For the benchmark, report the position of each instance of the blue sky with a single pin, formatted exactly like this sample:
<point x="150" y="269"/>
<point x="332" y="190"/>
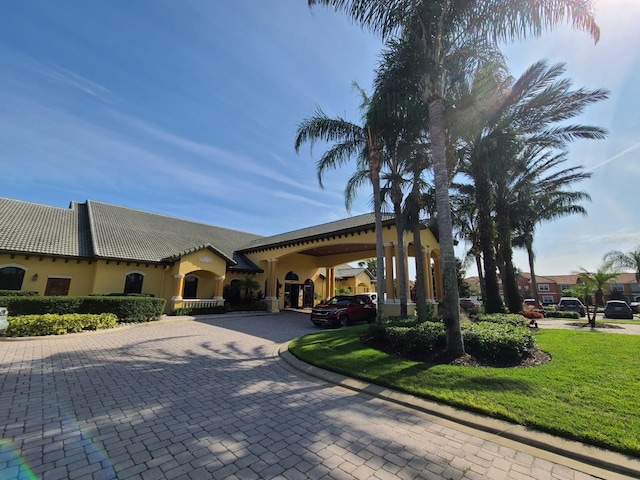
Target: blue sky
<point x="190" y="108"/>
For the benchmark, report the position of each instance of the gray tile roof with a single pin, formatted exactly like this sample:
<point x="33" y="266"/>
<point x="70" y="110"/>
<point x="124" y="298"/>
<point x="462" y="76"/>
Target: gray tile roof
<point x="349" y="272"/>
<point x="95" y="229"/>
<point x="351" y="224"/>
<point x="40" y="229"/>
<point x="125" y="233"/>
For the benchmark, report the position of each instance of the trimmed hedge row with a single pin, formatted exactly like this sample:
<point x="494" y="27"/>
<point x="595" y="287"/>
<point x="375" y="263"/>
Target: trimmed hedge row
<point x="50" y="324"/>
<point x="126" y="309"/>
<point x="17" y="293"/>
<point x="561" y="314"/>
<point x="501" y="338"/>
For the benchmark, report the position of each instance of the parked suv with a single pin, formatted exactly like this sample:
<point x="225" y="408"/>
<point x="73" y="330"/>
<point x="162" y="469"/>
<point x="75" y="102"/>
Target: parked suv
<point x="618" y="309"/>
<point x="341" y="310"/>
<point x="571" y="304"/>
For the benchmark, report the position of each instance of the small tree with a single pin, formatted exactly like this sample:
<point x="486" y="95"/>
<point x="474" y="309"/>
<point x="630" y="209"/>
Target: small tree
<point x="593" y="283"/>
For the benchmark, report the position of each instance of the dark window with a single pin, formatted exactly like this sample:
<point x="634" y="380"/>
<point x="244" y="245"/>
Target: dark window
<point x="133" y="283"/>
<point x="190" y="287"/>
<point x="57" y="286"/>
<point x="292" y="276"/>
<point x="11" y="278"/>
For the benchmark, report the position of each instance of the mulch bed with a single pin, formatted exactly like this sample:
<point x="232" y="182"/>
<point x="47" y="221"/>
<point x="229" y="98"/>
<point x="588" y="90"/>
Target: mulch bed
<point x="536" y="357"/>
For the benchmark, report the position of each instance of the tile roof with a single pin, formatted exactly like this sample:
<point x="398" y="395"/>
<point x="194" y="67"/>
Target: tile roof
<point x="42" y="229"/>
<point x="346" y="225"/>
<point x="349" y="272"/>
<point x="148" y="236"/>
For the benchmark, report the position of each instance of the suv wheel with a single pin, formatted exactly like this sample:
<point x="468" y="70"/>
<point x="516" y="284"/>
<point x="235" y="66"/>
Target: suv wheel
<point x="344" y="320"/>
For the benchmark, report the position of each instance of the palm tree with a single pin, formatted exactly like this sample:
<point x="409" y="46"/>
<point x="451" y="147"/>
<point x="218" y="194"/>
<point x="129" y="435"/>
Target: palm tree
<point x="349" y="140"/>
<point x="545" y="202"/>
<point x="629" y="260"/>
<point x="449" y="30"/>
<point x="514" y="150"/>
<point x="595" y="282"/>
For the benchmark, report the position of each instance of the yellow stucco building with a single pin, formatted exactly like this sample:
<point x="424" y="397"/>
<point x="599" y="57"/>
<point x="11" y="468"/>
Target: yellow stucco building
<point x="93" y="248"/>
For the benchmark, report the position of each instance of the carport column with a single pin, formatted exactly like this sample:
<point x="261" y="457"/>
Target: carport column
<point x="438" y="275"/>
<point x="218" y="291"/>
<point x="331" y="282"/>
<point x="428" y="273"/>
<point x="272" y="280"/>
<point x="178" y="286"/>
<point x="388" y="272"/>
<point x="406" y="271"/>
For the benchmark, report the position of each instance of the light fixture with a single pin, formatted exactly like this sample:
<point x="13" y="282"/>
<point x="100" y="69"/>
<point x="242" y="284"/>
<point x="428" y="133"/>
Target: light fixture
<point x="35" y="277"/>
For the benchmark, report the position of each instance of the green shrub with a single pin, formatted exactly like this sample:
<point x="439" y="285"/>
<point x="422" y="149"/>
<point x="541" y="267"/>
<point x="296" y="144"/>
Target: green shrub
<point x="501" y="342"/>
<point x="17" y="293"/>
<point x="127" y="309"/>
<point x="419" y="338"/>
<point x="561" y="314"/>
<point x="200" y="311"/>
<point x="531" y="314"/>
<point x="51" y="324"/>
<point x="504" y="319"/>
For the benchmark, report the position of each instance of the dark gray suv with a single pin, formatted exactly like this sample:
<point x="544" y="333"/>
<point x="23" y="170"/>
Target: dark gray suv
<point x="571" y="304"/>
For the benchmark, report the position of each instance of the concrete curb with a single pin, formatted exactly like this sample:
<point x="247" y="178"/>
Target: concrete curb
<point x="595" y="461"/>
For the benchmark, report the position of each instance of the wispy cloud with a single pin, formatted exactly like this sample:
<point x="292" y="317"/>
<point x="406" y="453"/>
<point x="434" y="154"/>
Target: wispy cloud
<point x="615" y="157"/>
<point x="67" y="78"/>
<point x="300" y="198"/>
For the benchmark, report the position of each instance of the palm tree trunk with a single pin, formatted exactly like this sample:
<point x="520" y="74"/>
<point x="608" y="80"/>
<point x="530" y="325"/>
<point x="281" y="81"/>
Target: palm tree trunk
<point x="486" y="236"/>
<point x="421" y="299"/>
<point x="377" y="211"/>
<point x="483" y="288"/>
<point x="402" y="269"/>
<point x="510" y="281"/>
<point x="451" y="301"/>
<point x="534" y="282"/>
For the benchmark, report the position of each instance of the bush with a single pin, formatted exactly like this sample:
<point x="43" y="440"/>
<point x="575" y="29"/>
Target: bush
<point x="126" y="309"/>
<point x="409" y="336"/>
<point x="51" y="324"/>
<point x="561" y="314"/>
<point x="200" y="311"/>
<point x="17" y="293"/>
<point x="505" y="319"/>
<point x="501" y="342"/>
<point x="531" y="314"/>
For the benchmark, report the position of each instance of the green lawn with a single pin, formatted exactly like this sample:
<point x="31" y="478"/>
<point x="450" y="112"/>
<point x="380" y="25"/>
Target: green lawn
<point x="590" y="391"/>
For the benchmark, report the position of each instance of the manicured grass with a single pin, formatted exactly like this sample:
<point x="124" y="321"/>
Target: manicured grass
<point x="589" y="391"/>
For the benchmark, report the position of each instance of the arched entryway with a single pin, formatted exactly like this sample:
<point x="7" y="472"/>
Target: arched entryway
<point x="293" y="290"/>
<point x="190" y="287"/>
<point x="308" y="295"/>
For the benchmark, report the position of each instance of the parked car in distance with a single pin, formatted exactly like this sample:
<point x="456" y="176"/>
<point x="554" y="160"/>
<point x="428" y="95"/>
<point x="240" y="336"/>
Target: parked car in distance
<point x="342" y="310"/>
<point x="571" y="304"/>
<point x="468" y="303"/>
<point x="529" y="303"/>
<point x="618" y="309"/>
<point x="635" y="307"/>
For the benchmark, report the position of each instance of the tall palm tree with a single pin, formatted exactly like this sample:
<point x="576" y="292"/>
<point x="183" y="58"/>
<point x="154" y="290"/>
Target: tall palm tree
<point x="511" y="152"/>
<point x="350" y="141"/>
<point x="448" y="30"/>
<point x="546" y="201"/>
<point x="629" y="260"/>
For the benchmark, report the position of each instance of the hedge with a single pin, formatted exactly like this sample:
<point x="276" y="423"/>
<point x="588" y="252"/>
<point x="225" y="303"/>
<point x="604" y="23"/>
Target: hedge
<point x="17" y="293"/>
<point x="51" y="324"/>
<point x="562" y="314"/>
<point x="126" y="309"/>
<point x="497" y="341"/>
<point x="504" y="319"/>
<point x="505" y="339"/>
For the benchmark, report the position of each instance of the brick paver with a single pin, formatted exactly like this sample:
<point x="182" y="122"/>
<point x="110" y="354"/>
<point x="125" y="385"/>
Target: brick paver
<point x="207" y="399"/>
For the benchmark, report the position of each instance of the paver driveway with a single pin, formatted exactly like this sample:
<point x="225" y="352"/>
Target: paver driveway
<point x="207" y="399"/>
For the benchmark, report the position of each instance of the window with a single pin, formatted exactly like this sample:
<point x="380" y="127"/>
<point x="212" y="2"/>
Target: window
<point x="57" y="286"/>
<point x="190" y="287"/>
<point x="133" y="283"/>
<point x="617" y="287"/>
<point x="565" y="287"/>
<point x="547" y="299"/>
<point x="543" y="287"/>
<point x="11" y="278"/>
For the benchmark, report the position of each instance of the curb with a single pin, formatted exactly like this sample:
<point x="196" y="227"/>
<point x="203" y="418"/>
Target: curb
<point x="589" y="459"/>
